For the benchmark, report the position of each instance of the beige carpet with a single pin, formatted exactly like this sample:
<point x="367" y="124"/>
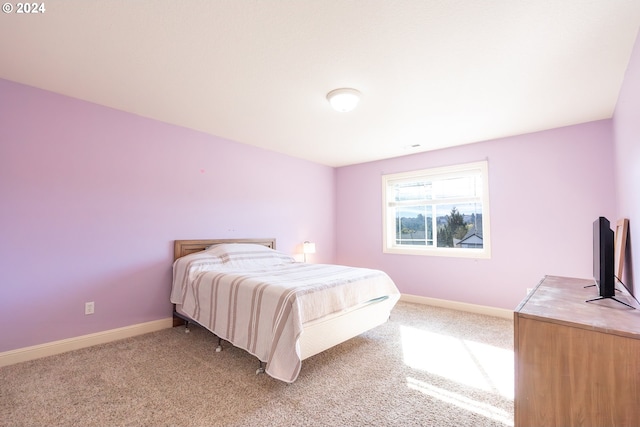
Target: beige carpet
<point x="427" y="366"/>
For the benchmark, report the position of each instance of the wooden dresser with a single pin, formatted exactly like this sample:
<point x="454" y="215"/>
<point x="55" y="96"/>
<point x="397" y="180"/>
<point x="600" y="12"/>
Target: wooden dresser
<point x="576" y="363"/>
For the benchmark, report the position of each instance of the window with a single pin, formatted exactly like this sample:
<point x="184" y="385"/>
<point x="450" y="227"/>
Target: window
<point x="442" y="211"/>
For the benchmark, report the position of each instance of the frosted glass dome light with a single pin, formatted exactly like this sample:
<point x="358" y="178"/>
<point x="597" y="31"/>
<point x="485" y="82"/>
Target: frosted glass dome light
<point x="343" y="100"/>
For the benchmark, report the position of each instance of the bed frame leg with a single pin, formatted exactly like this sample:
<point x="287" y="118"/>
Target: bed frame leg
<point x="219" y="347"/>
<point x="260" y="369"/>
<point x="179" y="319"/>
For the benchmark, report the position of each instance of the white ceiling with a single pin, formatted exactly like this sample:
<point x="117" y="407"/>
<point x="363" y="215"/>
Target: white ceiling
<point x="436" y="73"/>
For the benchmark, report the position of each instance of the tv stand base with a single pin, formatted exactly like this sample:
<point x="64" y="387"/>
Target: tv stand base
<point x="613" y="298"/>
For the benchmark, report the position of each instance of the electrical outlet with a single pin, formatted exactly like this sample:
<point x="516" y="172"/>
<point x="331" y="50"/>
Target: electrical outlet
<point x="89" y="307"/>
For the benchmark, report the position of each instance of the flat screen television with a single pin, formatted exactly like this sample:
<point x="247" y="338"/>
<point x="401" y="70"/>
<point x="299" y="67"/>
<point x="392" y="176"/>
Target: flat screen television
<point x="603" y="257"/>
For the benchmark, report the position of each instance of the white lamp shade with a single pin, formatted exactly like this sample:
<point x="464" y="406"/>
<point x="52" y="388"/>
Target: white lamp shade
<point x="343" y="100"/>
<point x="309" y="248"/>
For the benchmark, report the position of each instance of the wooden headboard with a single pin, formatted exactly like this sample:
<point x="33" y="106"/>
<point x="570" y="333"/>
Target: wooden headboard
<point x="186" y="247"/>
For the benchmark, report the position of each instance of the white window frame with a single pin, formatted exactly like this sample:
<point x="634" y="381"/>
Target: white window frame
<point x="434" y="174"/>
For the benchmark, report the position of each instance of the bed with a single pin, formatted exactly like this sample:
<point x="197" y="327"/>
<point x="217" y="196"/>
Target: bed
<point x="281" y="311"/>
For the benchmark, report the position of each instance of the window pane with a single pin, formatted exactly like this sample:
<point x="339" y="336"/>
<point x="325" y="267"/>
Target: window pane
<point x="460" y="226"/>
<point x="414" y="226"/>
<point x="464" y="186"/>
<point x="412" y="191"/>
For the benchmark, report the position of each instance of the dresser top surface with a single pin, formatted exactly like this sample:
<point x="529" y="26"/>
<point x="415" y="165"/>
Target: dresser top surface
<point x="563" y="300"/>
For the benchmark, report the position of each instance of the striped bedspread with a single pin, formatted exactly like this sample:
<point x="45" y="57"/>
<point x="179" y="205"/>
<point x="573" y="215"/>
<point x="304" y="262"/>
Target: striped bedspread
<point x="263" y="310"/>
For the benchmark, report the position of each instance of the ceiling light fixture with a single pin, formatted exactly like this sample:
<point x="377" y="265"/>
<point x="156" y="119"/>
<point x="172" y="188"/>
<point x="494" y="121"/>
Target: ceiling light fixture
<point x="344" y="99"/>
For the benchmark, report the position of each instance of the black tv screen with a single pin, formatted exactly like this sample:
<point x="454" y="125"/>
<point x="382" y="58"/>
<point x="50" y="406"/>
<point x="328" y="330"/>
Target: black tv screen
<point x="603" y="257"/>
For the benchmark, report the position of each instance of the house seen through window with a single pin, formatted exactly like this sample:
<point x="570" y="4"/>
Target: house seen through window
<point x="442" y="211"/>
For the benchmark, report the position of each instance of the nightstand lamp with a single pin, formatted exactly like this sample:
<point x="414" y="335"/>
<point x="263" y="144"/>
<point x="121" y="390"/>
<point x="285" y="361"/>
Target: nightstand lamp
<point x="308" y="248"/>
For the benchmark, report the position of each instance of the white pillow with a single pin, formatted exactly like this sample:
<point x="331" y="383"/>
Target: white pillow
<point x="249" y="255"/>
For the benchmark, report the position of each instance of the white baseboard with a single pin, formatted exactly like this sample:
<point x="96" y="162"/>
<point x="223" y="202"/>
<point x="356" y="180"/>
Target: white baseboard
<point x="460" y="306"/>
<point x="56" y="347"/>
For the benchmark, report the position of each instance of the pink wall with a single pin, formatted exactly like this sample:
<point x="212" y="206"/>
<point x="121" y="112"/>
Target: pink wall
<point x="546" y="189"/>
<point x="626" y="127"/>
<point x="92" y="199"/>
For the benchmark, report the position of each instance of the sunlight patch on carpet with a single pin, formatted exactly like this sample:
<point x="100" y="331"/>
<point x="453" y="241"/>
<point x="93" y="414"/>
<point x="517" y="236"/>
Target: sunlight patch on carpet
<point x="461" y="401"/>
<point x="467" y="362"/>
